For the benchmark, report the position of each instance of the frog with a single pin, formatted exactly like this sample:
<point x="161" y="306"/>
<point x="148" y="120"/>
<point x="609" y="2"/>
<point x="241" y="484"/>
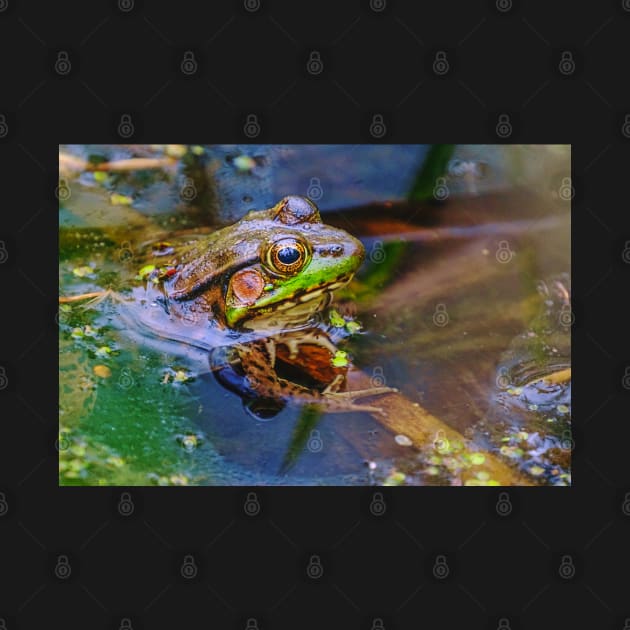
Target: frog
<point x="265" y="281"/>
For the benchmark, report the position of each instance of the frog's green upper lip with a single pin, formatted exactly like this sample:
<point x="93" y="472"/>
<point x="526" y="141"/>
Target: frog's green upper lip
<point x="310" y="294"/>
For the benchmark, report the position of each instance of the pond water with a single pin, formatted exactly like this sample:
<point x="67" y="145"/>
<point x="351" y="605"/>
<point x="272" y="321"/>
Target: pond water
<point x="464" y="306"/>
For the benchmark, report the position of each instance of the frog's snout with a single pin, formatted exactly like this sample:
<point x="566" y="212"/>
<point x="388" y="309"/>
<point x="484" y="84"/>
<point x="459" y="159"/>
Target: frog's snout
<point x="350" y="249"/>
<point x="355" y="250"/>
<point x="359" y="249"/>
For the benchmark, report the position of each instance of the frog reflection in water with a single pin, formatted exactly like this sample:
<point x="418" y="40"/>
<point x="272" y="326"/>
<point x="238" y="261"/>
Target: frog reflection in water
<point x="270" y="275"/>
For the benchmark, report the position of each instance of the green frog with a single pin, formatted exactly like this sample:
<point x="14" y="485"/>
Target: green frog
<point x="266" y="281"/>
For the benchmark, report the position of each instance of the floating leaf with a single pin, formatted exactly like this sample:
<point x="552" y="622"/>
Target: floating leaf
<point x="145" y="271"/>
<point x="116" y="199"/>
<point x="102" y="370"/>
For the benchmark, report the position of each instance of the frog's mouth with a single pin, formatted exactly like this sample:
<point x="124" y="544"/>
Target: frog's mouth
<point x="296" y="311"/>
<point x="316" y="293"/>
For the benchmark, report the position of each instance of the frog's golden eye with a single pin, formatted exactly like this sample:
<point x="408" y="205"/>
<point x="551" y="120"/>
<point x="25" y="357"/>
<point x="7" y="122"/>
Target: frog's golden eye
<point x="287" y="256"/>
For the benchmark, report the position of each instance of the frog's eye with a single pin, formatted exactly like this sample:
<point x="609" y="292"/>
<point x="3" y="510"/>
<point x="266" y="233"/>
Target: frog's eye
<point x="287" y="256"/>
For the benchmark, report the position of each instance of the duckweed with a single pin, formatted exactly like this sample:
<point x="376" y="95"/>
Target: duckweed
<point x="340" y="359"/>
<point x="476" y="459"/>
<point x="145" y="272"/>
<point x="116" y="199"/>
<point x="83" y="272"/>
<point x="336" y="320"/>
<point x="353" y="327"/>
<point x="395" y="479"/>
<point x="536" y="470"/>
<point x="511" y="451"/>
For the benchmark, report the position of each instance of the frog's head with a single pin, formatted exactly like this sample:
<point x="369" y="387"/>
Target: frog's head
<point x="271" y="270"/>
<point x="300" y="262"/>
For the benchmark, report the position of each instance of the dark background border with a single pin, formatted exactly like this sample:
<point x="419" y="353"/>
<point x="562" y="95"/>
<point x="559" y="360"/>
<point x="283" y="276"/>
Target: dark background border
<point x="502" y="57"/>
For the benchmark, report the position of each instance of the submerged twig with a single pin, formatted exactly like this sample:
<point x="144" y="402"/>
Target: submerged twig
<point x="94" y="297"/>
<point x="65" y="299"/>
<point x="425" y="431"/>
<point x="71" y="163"/>
<point x="133" y="164"/>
